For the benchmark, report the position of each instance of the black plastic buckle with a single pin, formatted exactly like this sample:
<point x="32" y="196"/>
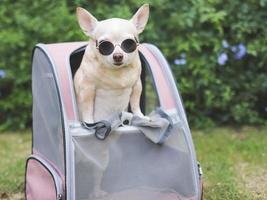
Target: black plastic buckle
<point x="102" y="128"/>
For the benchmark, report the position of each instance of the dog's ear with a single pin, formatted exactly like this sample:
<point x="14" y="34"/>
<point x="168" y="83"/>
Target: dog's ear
<point x="86" y="21"/>
<point x="140" y="18"/>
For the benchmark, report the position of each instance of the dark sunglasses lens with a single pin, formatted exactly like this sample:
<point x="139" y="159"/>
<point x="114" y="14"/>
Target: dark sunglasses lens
<point x="106" y="48"/>
<point x="128" y="45"/>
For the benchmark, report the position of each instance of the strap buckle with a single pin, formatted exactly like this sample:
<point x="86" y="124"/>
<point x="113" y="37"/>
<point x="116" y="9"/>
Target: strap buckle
<point x="102" y="128"/>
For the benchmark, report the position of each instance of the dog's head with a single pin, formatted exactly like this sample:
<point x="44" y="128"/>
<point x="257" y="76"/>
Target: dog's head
<point x="115" y="40"/>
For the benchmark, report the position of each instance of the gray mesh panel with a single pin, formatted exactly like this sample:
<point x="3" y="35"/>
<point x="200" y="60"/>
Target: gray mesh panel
<point x="129" y="166"/>
<point x="47" y="122"/>
<point x="181" y="113"/>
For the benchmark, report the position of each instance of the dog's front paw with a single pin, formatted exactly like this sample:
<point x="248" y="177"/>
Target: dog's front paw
<point x="145" y="118"/>
<point x="140" y="114"/>
<point x="89" y="121"/>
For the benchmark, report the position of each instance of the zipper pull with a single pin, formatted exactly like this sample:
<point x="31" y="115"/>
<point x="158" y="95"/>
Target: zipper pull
<point x="59" y="197"/>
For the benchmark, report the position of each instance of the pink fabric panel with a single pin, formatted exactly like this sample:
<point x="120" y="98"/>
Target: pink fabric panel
<point x="60" y="53"/>
<point x="39" y="182"/>
<point x="37" y="153"/>
<point x="165" y="93"/>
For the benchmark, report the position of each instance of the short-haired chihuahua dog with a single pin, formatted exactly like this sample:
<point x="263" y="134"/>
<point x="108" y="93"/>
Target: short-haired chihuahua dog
<point x="108" y="78"/>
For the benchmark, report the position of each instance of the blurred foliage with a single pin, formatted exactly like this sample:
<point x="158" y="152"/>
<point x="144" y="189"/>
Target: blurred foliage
<point x="191" y="34"/>
<point x="23" y="24"/>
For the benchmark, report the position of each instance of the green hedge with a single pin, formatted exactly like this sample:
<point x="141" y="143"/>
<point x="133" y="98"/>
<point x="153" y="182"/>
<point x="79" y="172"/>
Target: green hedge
<point x="217" y="49"/>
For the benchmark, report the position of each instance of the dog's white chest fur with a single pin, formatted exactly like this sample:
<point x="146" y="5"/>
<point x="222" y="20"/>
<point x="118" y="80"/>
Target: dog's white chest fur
<point x="110" y="102"/>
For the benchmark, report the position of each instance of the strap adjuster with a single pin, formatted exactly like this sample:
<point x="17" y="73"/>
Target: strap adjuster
<point x="102" y="128"/>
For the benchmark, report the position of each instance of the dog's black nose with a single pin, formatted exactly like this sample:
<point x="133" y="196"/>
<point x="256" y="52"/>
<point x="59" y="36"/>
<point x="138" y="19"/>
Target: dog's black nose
<point x="117" y="57"/>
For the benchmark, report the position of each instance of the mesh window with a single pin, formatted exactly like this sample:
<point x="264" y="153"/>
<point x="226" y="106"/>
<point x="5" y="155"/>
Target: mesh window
<point x="149" y="98"/>
<point x="128" y="166"/>
<point x="47" y="119"/>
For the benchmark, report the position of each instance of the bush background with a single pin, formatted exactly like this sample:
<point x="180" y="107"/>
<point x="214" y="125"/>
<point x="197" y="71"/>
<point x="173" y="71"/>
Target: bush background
<point x="193" y="35"/>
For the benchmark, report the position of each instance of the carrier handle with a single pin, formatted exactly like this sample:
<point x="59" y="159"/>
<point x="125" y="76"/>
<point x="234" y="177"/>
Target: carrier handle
<point x="102" y="128"/>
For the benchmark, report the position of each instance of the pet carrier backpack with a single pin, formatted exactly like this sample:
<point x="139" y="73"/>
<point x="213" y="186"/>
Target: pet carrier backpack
<point x="66" y="156"/>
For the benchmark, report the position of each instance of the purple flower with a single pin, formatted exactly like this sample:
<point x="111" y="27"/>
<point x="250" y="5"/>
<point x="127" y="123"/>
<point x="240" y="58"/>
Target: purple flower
<point x="183" y="61"/>
<point x="265" y="109"/>
<point x="180" y="61"/>
<point x="241" y="52"/>
<point x="2" y="73"/>
<point x="222" y="58"/>
<point x="225" y="44"/>
<point x="234" y="49"/>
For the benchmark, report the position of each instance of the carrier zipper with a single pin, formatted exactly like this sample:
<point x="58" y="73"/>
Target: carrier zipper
<point x="54" y="174"/>
<point x="200" y="172"/>
<point x="59" y="197"/>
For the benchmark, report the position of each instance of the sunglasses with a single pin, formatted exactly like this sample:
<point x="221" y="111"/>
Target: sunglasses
<point x="106" y="48"/>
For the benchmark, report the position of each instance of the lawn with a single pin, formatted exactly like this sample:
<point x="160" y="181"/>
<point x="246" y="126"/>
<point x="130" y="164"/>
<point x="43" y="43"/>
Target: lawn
<point x="14" y="148"/>
<point x="234" y="162"/>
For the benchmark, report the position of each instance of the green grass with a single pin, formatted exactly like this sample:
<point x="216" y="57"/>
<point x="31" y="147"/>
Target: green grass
<point x="14" y="148"/>
<point x="234" y="162"/>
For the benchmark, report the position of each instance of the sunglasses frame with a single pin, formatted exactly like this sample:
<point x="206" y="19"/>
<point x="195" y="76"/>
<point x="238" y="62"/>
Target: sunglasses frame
<point x="114" y="45"/>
